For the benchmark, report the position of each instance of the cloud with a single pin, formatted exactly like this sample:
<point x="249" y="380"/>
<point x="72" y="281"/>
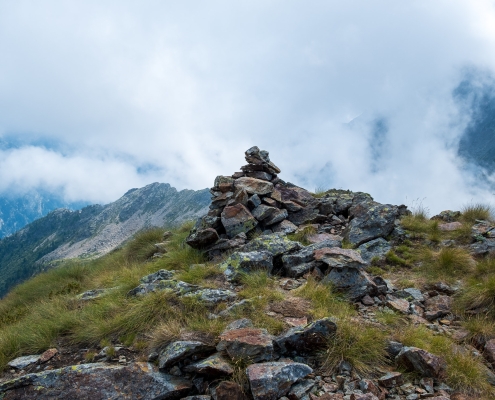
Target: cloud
<point x="132" y="93"/>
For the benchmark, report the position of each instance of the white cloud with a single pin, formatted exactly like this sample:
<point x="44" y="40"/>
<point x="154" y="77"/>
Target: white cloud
<point x="188" y="86"/>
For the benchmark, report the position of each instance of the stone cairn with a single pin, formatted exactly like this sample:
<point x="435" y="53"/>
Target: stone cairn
<point x="254" y="199"/>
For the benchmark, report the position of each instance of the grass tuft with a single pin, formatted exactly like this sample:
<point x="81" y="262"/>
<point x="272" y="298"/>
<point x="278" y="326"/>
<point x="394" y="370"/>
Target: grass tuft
<point x="476" y="211"/>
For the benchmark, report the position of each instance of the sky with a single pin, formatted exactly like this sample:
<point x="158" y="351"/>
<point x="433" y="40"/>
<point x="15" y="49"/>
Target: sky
<point x="98" y="97"/>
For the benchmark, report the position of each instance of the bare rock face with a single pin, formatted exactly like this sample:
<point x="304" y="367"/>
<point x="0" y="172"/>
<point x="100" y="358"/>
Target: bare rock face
<point x="272" y="380"/>
<point x="97" y="381"/>
<point x="237" y="219"/>
<point x="423" y="362"/>
<point x="247" y="344"/>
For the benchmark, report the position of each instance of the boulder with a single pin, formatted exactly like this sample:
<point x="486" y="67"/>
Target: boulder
<point x="24" y="361"/>
<point x="400" y="305"/>
<point x="272" y="380"/>
<point x="253" y="185"/>
<point x="391" y="379"/>
<point x="237" y="219"/>
<point x="306" y="339"/>
<point x="299" y="263"/>
<point x="377" y="248"/>
<point x="202" y="238"/>
<point x="483" y="248"/>
<point x="285" y="227"/>
<point x="177" y="351"/>
<point x="336" y="257"/>
<point x="276" y="244"/>
<point x="215" y="365"/>
<point x="263" y="212"/>
<point x="354" y="282"/>
<point x="370" y="220"/>
<point x="422" y="362"/>
<point x="305" y="216"/>
<point x="437" y="307"/>
<point x="97" y="381"/>
<point x="264" y="176"/>
<point x="276" y="217"/>
<point x="159" y="275"/>
<point x="247" y="344"/>
<point x="246" y="261"/>
<point x="301" y="389"/>
<point x="335" y="240"/>
<point x="213" y="296"/>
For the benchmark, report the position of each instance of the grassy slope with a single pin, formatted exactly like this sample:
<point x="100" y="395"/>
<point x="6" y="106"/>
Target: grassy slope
<point x="45" y="309"/>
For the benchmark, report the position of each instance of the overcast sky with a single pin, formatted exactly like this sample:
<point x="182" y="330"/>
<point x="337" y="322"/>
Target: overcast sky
<point x="97" y="97"/>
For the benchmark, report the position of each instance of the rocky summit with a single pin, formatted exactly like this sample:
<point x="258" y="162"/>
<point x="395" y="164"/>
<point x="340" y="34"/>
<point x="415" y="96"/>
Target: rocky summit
<point x="274" y="293"/>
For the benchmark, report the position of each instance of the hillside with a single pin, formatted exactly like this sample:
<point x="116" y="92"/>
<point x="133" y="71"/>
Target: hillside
<point x="274" y="293"/>
<point x="18" y="211"/>
<point x="94" y="230"/>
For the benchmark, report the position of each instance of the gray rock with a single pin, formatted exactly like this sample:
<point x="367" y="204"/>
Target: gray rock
<point x="483" y="248"/>
<point x="97" y="381"/>
<point x="253" y="185"/>
<point x="202" y="238"/>
<point x="336" y="257"/>
<point x="285" y="227"/>
<point x="422" y="362"/>
<point x="276" y="217"/>
<point x="272" y="380"/>
<point x="276" y="244"/>
<point x="370" y="220"/>
<point x="254" y="201"/>
<point x="213" y="296"/>
<point x="24" y="361"/>
<point x="301" y="389"/>
<point x="247" y="344"/>
<point x="263" y="212"/>
<point x="177" y="351"/>
<point x="306" y="339"/>
<point x="305" y="216"/>
<point x="239" y="324"/>
<point x="239" y="262"/>
<point x="394" y="348"/>
<point x="410" y="294"/>
<point x="355" y="283"/>
<point x="237" y="219"/>
<point x="377" y="248"/>
<point x="160" y="275"/>
<point x="214" y="365"/>
<point x="244" y="303"/>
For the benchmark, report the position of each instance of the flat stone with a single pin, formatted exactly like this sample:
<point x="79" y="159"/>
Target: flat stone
<point x="237" y="219"/>
<point x="305" y="216"/>
<point x="399" y="305"/>
<point x="263" y="212"/>
<point x="48" y="355"/>
<point x="450" y="226"/>
<point x="264" y="176"/>
<point x="276" y="217"/>
<point x="294" y="307"/>
<point x="215" y="365"/>
<point x="391" y="379"/>
<point x="213" y="296"/>
<point x="325" y="237"/>
<point x="336" y="257"/>
<point x="247" y="344"/>
<point x="423" y="362"/>
<point x="285" y="227"/>
<point x="254" y="186"/>
<point x="97" y="381"/>
<point x="437" y="307"/>
<point x="296" y="321"/>
<point x="292" y="206"/>
<point x="239" y="262"/>
<point x="272" y="380"/>
<point x="177" y="351"/>
<point x="275" y="243"/>
<point x="24" y="361"/>
<point x="306" y="339"/>
<point x="270" y="202"/>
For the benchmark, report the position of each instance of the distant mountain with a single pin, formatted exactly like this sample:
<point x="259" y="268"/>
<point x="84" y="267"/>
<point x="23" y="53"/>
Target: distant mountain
<point x="18" y="211"/>
<point x="94" y="230"/>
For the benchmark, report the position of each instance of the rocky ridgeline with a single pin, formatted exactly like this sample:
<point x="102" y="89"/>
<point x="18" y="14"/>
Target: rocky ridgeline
<point x="251" y="214"/>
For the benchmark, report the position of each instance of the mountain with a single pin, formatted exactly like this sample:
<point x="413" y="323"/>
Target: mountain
<point x="18" y="211"/>
<point x="94" y="230"/>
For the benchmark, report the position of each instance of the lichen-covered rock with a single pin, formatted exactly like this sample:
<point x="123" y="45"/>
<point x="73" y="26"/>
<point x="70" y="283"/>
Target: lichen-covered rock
<point x="370" y="220"/>
<point x="272" y="380"/>
<point x="178" y="287"/>
<point x="422" y="362"/>
<point x="247" y="344"/>
<point x="253" y="185"/>
<point x="215" y="365"/>
<point x="159" y="275"/>
<point x="177" y="351"/>
<point x="306" y="339"/>
<point x="483" y="248"/>
<point x="239" y="262"/>
<point x="336" y="257"/>
<point x="354" y="282"/>
<point x="237" y="219"/>
<point x="213" y="296"/>
<point x="97" y="381"/>
<point x="276" y="244"/>
<point x="374" y="249"/>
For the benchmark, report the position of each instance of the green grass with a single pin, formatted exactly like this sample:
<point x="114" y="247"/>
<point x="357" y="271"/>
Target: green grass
<point x="319" y="192"/>
<point x="301" y="235"/>
<point x="465" y="372"/>
<point x="363" y="348"/>
<point x="449" y="263"/>
<point x="476" y="211"/>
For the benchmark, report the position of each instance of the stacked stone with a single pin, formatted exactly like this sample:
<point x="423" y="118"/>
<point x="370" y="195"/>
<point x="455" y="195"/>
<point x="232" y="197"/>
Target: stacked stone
<point x="253" y="199"/>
